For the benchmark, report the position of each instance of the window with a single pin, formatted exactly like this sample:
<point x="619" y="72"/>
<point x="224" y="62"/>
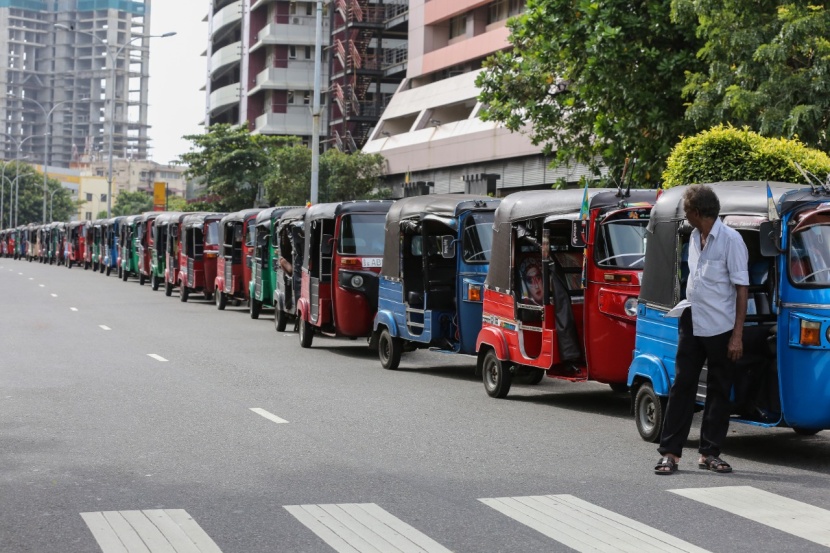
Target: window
<point x="88" y="215"/>
<point x="458" y="26"/>
<point x="89" y="197"/>
<point x="307" y="97"/>
<point x="308" y="8"/>
<point x="292" y="52"/>
<point x="478" y="237"/>
<point x="362" y="234"/>
<point x="290" y="97"/>
<point x="308" y="55"/>
<point x="502" y="9"/>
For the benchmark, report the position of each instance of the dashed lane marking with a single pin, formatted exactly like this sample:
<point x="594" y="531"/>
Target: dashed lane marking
<point x="73" y="308"/>
<point x="54" y="295"/>
<point x="270" y="416"/>
<point x="782" y="513"/>
<point x="363" y="528"/>
<point x="149" y="531"/>
<point x="586" y="527"/>
<point x="156" y="357"/>
<point x="104" y="327"/>
<point x="41" y="285"/>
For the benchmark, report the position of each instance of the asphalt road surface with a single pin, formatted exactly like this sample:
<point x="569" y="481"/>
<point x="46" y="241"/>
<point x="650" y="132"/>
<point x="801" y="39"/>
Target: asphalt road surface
<point x="130" y="421"/>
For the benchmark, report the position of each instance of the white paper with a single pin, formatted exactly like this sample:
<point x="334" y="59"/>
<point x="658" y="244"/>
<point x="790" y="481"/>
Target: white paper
<point x="678" y="309"/>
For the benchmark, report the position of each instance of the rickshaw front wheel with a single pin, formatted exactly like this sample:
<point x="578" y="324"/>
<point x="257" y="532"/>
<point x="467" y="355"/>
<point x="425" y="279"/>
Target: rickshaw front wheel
<point x="154" y="282"/>
<point x="648" y="413"/>
<point x="184" y="293"/>
<point x="109" y="270"/>
<point x="496" y="375"/>
<point x="141" y="279"/>
<point x="168" y="289"/>
<point x="390" y="349"/>
<point x="280" y="319"/>
<point x="806" y="431"/>
<point x="221" y="301"/>
<point x="306" y="333"/>
<point x="255" y="308"/>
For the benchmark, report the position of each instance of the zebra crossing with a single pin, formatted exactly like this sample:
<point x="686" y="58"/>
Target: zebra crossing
<point x="569" y="520"/>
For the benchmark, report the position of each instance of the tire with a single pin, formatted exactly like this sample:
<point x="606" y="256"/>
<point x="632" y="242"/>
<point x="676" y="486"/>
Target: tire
<point x="649" y="410"/>
<point x="496" y="375"/>
<point x="155" y="282"/>
<point x="120" y="272"/>
<point x="806" y="431"/>
<point x="125" y="275"/>
<point x="94" y="267"/>
<point x="86" y="265"/>
<point x="168" y="289"/>
<point x="530" y="377"/>
<point x="141" y="279"/>
<point x="306" y="333"/>
<point x="255" y="308"/>
<point x="280" y="319"/>
<point x="221" y="301"/>
<point x="208" y="296"/>
<point x="619" y="387"/>
<point x="69" y="264"/>
<point x="109" y="270"/>
<point x="390" y="349"/>
<point x="184" y="294"/>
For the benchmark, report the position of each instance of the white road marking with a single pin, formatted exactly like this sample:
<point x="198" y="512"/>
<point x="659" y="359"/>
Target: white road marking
<point x="32" y="278"/>
<point x="104" y="327"/>
<point x="779" y="512"/>
<point x="21" y="274"/>
<point x="54" y="295"/>
<point x="41" y="285"/>
<point x="73" y="308"/>
<point x="149" y="531"/>
<point x="586" y="527"/>
<point x="270" y="416"/>
<point x="363" y="528"/>
<point x="156" y="357"/>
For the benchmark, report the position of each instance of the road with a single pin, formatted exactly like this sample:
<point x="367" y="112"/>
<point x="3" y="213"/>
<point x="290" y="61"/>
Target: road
<point x="130" y="417"/>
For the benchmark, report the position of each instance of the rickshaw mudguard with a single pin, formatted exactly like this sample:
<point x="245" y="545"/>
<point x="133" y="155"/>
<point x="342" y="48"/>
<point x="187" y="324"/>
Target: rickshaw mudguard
<point x="493" y="337"/>
<point x="387" y="319"/>
<point x="647" y="367"/>
<point x="303" y="309"/>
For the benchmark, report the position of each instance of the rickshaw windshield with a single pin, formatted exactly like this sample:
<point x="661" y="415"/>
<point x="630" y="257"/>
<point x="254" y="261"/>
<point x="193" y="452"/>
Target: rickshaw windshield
<point x="621" y="244"/>
<point x="362" y="234"/>
<point x="212" y="234"/>
<point x="477" y="240"/>
<point x="809" y="256"/>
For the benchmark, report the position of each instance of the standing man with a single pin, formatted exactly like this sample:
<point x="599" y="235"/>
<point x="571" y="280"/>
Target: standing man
<point x="711" y="331"/>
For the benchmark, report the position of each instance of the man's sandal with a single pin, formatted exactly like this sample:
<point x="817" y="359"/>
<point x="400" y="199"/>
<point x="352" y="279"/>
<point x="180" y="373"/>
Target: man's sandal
<point x="666" y="465"/>
<point x="715" y="464"/>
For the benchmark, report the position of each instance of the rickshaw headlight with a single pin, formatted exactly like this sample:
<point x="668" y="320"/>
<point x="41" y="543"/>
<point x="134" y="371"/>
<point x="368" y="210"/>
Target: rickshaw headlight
<point x="630" y="307"/>
<point x="357" y="281"/>
<point x="810" y="333"/>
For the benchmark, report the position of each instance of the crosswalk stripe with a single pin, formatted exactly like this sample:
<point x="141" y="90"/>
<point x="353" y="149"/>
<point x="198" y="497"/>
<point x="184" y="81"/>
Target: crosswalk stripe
<point x="779" y="512"/>
<point x="149" y="531"/>
<point x="586" y="527"/>
<point x="363" y="528"/>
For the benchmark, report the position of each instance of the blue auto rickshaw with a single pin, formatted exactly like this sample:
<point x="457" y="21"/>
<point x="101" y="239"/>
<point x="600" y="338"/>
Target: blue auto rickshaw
<point x="435" y="258"/>
<point x="783" y="379"/>
<point x="112" y="231"/>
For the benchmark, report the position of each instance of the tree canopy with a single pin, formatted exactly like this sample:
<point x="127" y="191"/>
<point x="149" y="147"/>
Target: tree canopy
<point x="595" y="82"/>
<point x="132" y="203"/>
<point x="30" y="204"/>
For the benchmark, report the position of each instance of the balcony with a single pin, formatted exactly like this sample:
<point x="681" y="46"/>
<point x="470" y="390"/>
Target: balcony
<point x="299" y="75"/>
<point x="224" y="97"/>
<point x="296" y="122"/>
<point x="227" y="16"/>
<point x="299" y="31"/>
<point x="225" y="57"/>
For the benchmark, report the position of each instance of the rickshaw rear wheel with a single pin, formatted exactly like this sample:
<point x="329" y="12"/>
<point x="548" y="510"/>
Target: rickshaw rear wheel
<point x="154" y="282"/>
<point x="184" y="293"/>
<point x="109" y="270"/>
<point x="530" y="377"/>
<point x="619" y="387"/>
<point x="806" y="431"/>
<point x="255" y="308"/>
<point x="648" y="413"/>
<point x="125" y="275"/>
<point x="306" y="333"/>
<point x="168" y="289"/>
<point x="390" y="349"/>
<point x="141" y="279"/>
<point x="221" y="301"/>
<point x="496" y="375"/>
<point x="120" y="270"/>
<point x="280" y="319"/>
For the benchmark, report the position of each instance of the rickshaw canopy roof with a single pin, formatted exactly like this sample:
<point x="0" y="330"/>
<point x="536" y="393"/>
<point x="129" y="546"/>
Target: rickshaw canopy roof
<point x="273" y="214"/>
<point x="332" y="210"/>
<point x="170" y="217"/>
<point x="294" y="214"/>
<point x="198" y="219"/>
<point x="239" y="216"/>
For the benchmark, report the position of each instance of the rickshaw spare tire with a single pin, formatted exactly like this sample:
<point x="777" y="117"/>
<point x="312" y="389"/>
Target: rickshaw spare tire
<point x="184" y="293"/>
<point x="255" y="308"/>
<point x="496" y="375"/>
<point x="280" y="319"/>
<point x="168" y="289"/>
<point x="649" y="410"/>
<point x="806" y="431"/>
<point x="306" y="333"/>
<point x="390" y="349"/>
<point x="221" y="301"/>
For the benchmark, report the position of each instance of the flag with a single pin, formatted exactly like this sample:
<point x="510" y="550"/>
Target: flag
<point x="583" y="211"/>
<point x="772" y="210"/>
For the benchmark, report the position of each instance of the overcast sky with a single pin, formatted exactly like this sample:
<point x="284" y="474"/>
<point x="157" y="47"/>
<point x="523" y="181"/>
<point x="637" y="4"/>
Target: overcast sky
<point x="177" y="73"/>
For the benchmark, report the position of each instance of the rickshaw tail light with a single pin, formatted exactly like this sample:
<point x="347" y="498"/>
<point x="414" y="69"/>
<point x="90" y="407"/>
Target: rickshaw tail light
<point x="473" y="292"/>
<point x="614" y="277"/>
<point x="810" y="333"/>
<point x="350" y="262"/>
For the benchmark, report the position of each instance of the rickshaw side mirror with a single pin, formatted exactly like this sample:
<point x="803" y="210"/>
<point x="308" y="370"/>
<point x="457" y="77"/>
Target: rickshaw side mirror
<point x="327" y="244"/>
<point x="416" y="248"/>
<point x="578" y="229"/>
<point x="447" y="246"/>
<point x="174" y="231"/>
<point x="770" y="235"/>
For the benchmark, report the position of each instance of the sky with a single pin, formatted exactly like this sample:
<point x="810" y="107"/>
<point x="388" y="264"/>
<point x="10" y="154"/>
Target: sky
<point x="177" y="73"/>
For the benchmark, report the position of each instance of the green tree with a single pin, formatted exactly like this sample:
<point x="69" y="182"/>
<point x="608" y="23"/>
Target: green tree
<point x="232" y="162"/>
<point x="132" y="203"/>
<point x="596" y="82"/>
<point x="726" y="153"/>
<point x="30" y="203"/>
<point x="290" y="183"/>
<point x="767" y="67"/>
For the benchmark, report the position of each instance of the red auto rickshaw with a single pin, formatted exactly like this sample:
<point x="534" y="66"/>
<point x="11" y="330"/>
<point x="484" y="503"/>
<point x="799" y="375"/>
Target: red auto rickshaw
<point x="343" y="257"/>
<point x="198" y="253"/>
<point x="560" y="296"/>
<point x="75" y="244"/>
<point x="144" y="227"/>
<point x="233" y="267"/>
<point x="172" y="229"/>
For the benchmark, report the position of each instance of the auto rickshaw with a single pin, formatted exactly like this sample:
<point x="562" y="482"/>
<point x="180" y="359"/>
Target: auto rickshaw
<point x="128" y="251"/>
<point x="57" y="238"/>
<point x="31" y="242"/>
<point x="144" y="244"/>
<point x="287" y="238"/>
<point x="265" y="261"/>
<point x="172" y="252"/>
<point x="75" y="243"/>
<point x="158" y="246"/>
<point x="233" y="267"/>
<point x="343" y="256"/>
<point x="4" y="237"/>
<point x="111" y="231"/>
<point x="42" y="241"/>
<point x="783" y="379"/>
<point x="197" y="254"/>
<point x="561" y="293"/>
<point x="435" y="257"/>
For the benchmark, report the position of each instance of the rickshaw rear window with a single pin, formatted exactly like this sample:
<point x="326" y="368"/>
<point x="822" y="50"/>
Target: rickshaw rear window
<point x="362" y="234"/>
<point x="621" y="244"/>
<point x="212" y="236"/>
<point x="809" y="256"/>
<point x="478" y="237"/>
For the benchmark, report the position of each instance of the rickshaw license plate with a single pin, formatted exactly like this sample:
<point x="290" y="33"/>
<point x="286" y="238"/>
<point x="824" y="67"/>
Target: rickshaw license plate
<point x="371" y="261"/>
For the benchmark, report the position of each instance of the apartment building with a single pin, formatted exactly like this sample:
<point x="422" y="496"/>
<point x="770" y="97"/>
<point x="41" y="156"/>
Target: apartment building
<point x="430" y="132"/>
<point x="58" y="80"/>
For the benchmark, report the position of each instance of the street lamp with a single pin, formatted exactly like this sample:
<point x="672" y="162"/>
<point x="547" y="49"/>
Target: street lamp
<point x="51" y="196"/>
<point x="17" y="169"/>
<point x="47" y="115"/>
<point x="3" y="180"/>
<point x="113" y="57"/>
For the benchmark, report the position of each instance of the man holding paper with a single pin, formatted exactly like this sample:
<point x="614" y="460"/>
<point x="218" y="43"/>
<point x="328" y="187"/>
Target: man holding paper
<point x="710" y="331"/>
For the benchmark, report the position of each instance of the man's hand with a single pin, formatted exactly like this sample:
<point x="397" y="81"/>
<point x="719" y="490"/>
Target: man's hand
<point x="736" y="347"/>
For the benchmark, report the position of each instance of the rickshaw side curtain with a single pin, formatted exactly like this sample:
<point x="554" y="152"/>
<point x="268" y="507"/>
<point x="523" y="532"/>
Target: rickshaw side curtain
<point x="660" y="279"/>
